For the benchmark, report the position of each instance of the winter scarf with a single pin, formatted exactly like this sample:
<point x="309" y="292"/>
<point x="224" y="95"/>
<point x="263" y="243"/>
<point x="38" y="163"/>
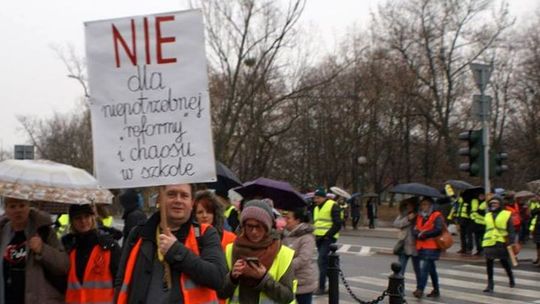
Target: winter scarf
<point x="265" y="250"/>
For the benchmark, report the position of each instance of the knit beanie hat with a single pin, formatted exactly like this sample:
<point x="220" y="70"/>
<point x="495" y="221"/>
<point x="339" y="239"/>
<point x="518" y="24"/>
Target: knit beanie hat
<point x="260" y="211"/>
<point x="320" y="192"/>
<point x="75" y="210"/>
<point x="496" y="197"/>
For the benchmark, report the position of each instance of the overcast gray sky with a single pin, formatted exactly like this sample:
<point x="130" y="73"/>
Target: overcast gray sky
<point x="33" y="81"/>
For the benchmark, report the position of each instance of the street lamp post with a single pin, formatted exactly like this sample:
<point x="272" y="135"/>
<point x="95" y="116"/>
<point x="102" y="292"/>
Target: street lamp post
<point x="362" y="160"/>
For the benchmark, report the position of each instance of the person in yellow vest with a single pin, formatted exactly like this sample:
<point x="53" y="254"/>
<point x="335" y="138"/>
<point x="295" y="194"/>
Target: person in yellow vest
<point x="61" y="225"/>
<point x="260" y="266"/>
<point x="499" y="230"/>
<point x="534" y="228"/>
<point x="230" y="212"/>
<point x="94" y="257"/>
<point x="327" y="223"/>
<point x="182" y="263"/>
<point x="461" y="213"/>
<point x="478" y="212"/>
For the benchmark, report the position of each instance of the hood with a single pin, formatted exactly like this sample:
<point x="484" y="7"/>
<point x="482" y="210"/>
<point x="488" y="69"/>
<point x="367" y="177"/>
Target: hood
<point x="129" y="201"/>
<point x="303" y="228"/>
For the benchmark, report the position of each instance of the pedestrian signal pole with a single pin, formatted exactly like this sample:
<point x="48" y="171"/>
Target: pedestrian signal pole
<point x="482" y="104"/>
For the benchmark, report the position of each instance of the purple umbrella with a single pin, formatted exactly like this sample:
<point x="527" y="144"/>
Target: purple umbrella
<point x="282" y="193"/>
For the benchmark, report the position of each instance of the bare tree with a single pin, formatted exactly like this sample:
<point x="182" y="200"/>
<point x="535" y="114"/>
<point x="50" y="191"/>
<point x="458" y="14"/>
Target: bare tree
<point x="254" y="87"/>
<point x="438" y="40"/>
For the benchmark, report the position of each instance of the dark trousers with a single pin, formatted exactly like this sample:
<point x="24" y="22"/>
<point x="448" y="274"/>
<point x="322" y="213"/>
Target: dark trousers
<point x="323" y="247"/>
<point x="466" y="234"/>
<point x="355" y="220"/>
<point x="403" y="258"/>
<point x="304" y="298"/>
<point x="479" y="231"/>
<point x="428" y="268"/>
<point x="372" y="222"/>
<point x="505" y="264"/>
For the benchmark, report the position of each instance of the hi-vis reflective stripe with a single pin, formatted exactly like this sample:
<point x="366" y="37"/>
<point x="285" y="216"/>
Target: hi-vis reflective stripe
<point x="90" y="284"/>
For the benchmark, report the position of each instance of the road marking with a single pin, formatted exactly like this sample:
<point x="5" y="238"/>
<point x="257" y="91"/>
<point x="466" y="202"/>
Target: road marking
<point x="483" y="276"/>
<point x="365" y="251"/>
<point x="364" y="293"/>
<point x="459" y="295"/>
<point x="482" y="269"/>
<point x="344" y="248"/>
<point x="480" y="286"/>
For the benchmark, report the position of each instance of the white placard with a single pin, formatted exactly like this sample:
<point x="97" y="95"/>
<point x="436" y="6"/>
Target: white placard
<point x="149" y="100"/>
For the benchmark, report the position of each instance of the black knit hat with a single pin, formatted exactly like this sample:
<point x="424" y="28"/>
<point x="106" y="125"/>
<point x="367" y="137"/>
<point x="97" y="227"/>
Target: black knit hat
<point x="75" y="210"/>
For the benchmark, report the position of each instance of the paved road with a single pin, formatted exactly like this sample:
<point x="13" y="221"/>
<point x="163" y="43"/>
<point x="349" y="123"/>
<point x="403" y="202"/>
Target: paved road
<point x="365" y="263"/>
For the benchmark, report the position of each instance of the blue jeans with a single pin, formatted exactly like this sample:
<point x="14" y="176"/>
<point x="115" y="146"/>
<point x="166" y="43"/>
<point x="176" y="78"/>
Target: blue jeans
<point x="427" y="267"/>
<point x="403" y="259"/>
<point x="323" y="247"/>
<point x="304" y="298"/>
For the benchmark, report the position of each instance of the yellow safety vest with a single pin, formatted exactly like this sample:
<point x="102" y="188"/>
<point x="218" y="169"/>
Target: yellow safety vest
<point x="462" y="211"/>
<point x="496" y="230"/>
<point x="533" y="205"/>
<point x="478" y="211"/>
<point x="228" y="211"/>
<point x="107" y="221"/>
<point x="282" y="262"/>
<point x="322" y="218"/>
<point x="63" y="220"/>
<point x="533" y="224"/>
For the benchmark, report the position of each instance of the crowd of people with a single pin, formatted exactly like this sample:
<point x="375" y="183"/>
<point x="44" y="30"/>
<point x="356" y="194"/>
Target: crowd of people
<point x="199" y="248"/>
<point x="497" y="225"/>
<point x="195" y="248"/>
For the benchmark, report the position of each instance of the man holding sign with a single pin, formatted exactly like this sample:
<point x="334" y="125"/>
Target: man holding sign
<point x="151" y="127"/>
<point x="171" y="258"/>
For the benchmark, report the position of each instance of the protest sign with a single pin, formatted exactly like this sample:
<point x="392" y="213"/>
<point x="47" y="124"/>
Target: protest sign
<point x="149" y="100"/>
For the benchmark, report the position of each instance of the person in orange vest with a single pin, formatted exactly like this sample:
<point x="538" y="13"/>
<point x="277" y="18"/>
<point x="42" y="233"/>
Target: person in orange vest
<point x="208" y="210"/>
<point x="429" y="224"/>
<point x="94" y="256"/>
<point x="180" y="263"/>
<point x="513" y="207"/>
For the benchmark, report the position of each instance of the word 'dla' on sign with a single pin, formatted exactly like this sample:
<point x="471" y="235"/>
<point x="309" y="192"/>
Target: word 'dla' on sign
<point x="149" y="100"/>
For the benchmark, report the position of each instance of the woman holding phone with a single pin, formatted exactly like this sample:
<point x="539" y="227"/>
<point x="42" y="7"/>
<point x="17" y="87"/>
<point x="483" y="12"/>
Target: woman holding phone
<point x="260" y="267"/>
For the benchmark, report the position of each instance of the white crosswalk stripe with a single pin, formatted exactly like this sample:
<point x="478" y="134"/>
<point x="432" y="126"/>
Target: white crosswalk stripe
<point x="458" y="284"/>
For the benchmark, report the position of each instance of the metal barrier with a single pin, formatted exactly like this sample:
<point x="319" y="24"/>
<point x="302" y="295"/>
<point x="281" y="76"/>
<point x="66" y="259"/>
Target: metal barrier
<point x="395" y="290"/>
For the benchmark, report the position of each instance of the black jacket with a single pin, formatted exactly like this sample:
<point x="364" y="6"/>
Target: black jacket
<point x="85" y="244"/>
<point x="208" y="269"/>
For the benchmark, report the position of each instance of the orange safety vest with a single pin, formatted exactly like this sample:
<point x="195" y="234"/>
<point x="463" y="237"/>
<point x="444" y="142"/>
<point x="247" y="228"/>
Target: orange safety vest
<point x="97" y="286"/>
<point x="516" y="217"/>
<point x="193" y="293"/>
<point x="227" y="238"/>
<point x="427" y="226"/>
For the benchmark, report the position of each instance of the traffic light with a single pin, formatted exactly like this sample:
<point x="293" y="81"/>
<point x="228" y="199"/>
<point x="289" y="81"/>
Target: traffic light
<point x="499" y="166"/>
<point x="474" y="151"/>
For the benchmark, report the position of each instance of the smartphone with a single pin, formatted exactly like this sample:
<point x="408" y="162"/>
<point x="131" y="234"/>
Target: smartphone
<point x="252" y="260"/>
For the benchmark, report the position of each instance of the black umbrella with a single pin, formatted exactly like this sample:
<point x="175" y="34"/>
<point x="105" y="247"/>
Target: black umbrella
<point x="370" y="194"/>
<point x="282" y="193"/>
<point x="226" y="179"/>
<point x="459" y="184"/>
<point x="416" y="189"/>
